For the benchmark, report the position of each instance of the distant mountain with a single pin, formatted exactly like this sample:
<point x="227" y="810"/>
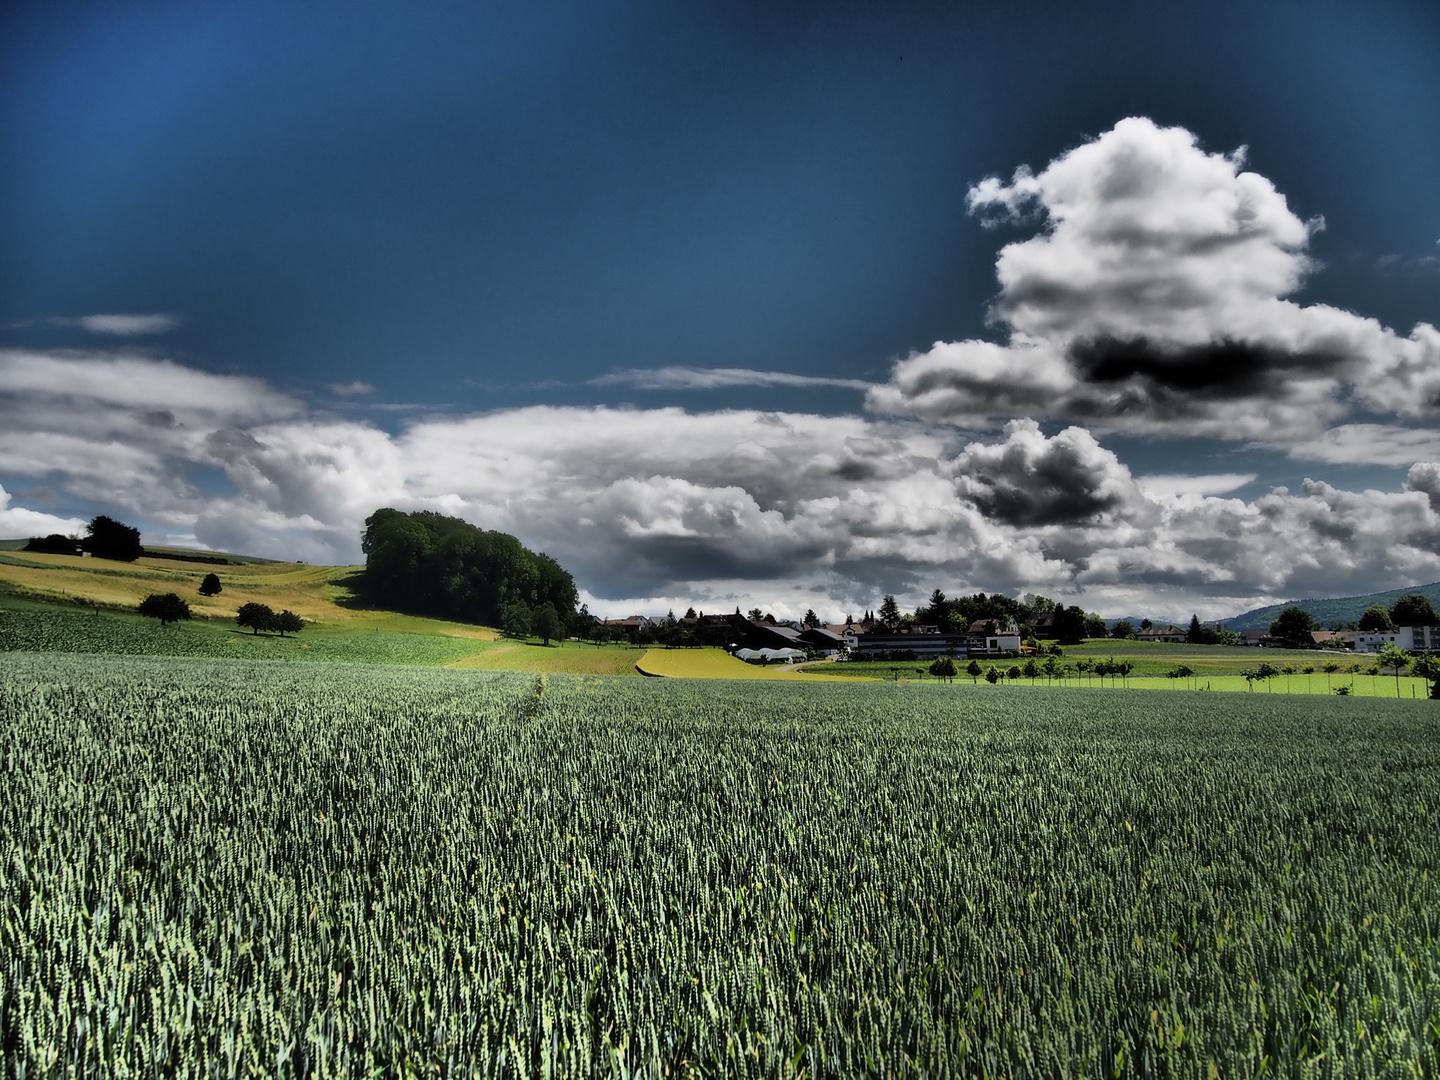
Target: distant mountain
<point x="1340" y="609"/>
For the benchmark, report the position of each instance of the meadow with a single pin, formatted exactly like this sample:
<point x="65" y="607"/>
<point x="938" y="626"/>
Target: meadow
<point x="225" y="868"/>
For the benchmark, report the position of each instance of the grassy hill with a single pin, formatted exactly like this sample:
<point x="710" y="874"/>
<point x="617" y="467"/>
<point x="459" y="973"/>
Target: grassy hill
<point x="76" y="604"/>
<point x="1338" y="609"/>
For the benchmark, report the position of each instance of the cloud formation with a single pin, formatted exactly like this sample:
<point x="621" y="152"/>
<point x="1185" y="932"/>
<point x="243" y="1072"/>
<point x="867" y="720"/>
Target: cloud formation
<point x="123" y="325"/>
<point x="16" y="521"/>
<point x="693" y="378"/>
<point x="355" y="388"/>
<point x="1030" y="480"/>
<point x="659" y="507"/>
<point x="1153" y="300"/>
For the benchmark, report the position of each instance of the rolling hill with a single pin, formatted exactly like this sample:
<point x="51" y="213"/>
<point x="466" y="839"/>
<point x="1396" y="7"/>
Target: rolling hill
<point x="1338" y="609"/>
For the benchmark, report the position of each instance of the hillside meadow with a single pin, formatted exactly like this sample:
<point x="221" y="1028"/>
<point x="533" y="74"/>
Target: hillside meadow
<point x="68" y="603"/>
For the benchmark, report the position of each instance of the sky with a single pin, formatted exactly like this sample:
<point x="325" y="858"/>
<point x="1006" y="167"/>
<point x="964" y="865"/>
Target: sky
<point x="788" y="305"/>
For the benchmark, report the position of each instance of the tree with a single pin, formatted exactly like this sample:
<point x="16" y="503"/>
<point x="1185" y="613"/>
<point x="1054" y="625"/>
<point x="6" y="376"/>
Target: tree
<point x="1375" y="620"/>
<point x="545" y="623"/>
<point x="1293" y="627"/>
<point x="1069" y="625"/>
<point x="1414" y="610"/>
<point x="1263" y="673"/>
<point x="1051" y="669"/>
<point x="1095" y="626"/>
<point x="1122" y="629"/>
<point x="256" y="616"/>
<point x="1146" y="624"/>
<point x="167" y="607"/>
<point x="287" y="622"/>
<point x="1394" y="658"/>
<point x="107" y="538"/>
<point x="973" y="670"/>
<point x="1428" y="667"/>
<point x="1031" y="670"/>
<point x="211" y="585"/>
<point x="811" y="619"/>
<point x="515" y="620"/>
<point x="890" y="612"/>
<point x="992" y="676"/>
<point x="943" y="668"/>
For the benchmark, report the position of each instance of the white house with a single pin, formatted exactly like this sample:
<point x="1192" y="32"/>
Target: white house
<point x="1409" y="638"/>
<point x="995" y="635"/>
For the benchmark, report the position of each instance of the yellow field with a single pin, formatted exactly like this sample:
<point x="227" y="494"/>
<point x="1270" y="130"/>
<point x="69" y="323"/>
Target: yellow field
<point x="1370" y="686"/>
<point x="713" y="664"/>
<point x="1381" y="686"/>
<point x="566" y="656"/>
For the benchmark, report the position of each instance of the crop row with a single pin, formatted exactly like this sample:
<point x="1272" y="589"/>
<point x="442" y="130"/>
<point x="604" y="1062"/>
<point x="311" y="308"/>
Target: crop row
<point x="86" y="631"/>
<point x="219" y="869"/>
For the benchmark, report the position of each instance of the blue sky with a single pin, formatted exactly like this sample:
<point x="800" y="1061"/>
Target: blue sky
<point x="517" y="236"/>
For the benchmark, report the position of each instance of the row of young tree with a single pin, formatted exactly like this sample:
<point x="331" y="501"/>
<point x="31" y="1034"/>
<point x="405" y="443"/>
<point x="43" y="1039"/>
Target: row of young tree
<point x="1032" y="669"/>
<point x="426" y="563"/>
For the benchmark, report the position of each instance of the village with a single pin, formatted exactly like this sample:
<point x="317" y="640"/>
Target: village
<point x="762" y="638"/>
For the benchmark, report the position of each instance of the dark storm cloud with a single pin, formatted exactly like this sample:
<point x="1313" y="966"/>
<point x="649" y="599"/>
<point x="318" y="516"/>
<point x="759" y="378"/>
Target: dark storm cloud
<point x="1029" y="480"/>
<point x="1216" y="370"/>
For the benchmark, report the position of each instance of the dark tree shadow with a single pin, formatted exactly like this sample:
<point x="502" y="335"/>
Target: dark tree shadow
<point x="353" y="593"/>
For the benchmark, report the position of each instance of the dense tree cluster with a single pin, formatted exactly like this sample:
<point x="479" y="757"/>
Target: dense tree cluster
<point x="1202" y="634"/>
<point x="1293" y="628"/>
<point x="105" y="538"/>
<point x="428" y="564"/>
<point x="54" y="544"/>
<point x="1375" y="619"/>
<point x="955" y="615"/>
<point x="1414" y="610"/>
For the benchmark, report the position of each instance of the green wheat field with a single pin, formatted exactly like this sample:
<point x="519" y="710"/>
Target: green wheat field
<point x="239" y="868"/>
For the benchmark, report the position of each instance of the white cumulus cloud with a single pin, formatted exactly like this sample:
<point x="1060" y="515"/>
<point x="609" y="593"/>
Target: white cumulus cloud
<point x="1153" y="299"/>
<point x="16" y="522"/>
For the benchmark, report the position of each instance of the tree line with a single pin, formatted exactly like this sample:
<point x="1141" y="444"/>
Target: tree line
<point x="105" y="538"/>
<point x="425" y="563"/>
